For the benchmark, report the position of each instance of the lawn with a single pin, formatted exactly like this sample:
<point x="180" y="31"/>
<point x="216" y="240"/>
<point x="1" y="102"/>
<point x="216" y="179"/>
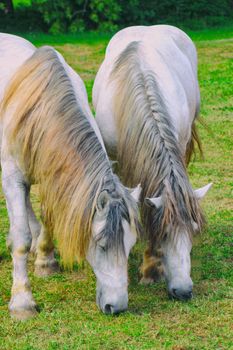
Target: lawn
<point x="69" y="318"/>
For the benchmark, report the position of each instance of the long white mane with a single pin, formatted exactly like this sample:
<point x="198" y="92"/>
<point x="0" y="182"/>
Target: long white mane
<point x="147" y="148"/>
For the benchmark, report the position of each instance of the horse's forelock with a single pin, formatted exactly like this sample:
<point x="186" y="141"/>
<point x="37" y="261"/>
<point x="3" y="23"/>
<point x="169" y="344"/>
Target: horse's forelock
<point x="121" y="208"/>
<point x="178" y="213"/>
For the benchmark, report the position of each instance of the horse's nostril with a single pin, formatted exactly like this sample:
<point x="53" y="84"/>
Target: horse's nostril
<point x="174" y="291"/>
<point x="190" y="295"/>
<point x="108" y="309"/>
<point x="186" y="296"/>
<point x="181" y="295"/>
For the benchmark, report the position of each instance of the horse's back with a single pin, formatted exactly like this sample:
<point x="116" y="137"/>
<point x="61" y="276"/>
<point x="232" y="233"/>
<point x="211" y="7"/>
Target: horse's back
<point x="14" y="51"/>
<point x="157" y="36"/>
<point x="164" y="49"/>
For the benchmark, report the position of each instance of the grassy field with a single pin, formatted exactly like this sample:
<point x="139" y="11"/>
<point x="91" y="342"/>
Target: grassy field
<point x="18" y="3"/>
<point x="69" y="318"/>
<point x="93" y="38"/>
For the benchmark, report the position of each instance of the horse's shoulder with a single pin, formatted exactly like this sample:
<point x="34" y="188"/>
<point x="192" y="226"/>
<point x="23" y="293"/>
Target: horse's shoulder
<point x="160" y="38"/>
<point x="14" y="51"/>
<point x="124" y="37"/>
<point x="169" y="36"/>
<point x="11" y="43"/>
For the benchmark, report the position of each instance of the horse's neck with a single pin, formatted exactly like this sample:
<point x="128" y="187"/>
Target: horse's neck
<point x="81" y="96"/>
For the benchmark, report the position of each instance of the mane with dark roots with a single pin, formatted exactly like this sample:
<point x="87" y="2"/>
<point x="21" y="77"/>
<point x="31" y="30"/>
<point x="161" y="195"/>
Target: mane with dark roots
<point x="148" y="151"/>
<point x="113" y="231"/>
<point x="57" y="148"/>
<point x="114" y="223"/>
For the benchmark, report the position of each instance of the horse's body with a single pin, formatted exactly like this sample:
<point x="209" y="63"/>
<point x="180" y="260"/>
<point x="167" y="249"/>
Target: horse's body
<point x="49" y="137"/>
<point x="146" y="98"/>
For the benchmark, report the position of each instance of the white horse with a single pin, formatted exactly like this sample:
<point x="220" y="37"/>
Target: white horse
<point x="146" y="98"/>
<point x="49" y="137"/>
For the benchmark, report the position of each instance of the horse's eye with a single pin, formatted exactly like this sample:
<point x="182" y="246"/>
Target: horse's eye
<point x="103" y="248"/>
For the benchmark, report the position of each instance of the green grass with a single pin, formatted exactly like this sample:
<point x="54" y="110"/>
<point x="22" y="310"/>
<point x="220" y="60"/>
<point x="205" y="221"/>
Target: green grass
<point x="91" y="38"/>
<point x="69" y="318"/>
<point x="19" y="3"/>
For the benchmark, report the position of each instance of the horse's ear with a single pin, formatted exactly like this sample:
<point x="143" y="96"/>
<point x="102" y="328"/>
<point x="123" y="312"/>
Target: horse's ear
<point x="155" y="202"/>
<point x="135" y="192"/>
<point x="201" y="192"/>
<point x="103" y="201"/>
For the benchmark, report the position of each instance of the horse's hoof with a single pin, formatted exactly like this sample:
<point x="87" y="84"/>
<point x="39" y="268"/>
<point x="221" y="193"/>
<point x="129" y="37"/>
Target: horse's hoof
<point x="146" y="280"/>
<point x="47" y="270"/>
<point x="22" y="305"/>
<point x="23" y="314"/>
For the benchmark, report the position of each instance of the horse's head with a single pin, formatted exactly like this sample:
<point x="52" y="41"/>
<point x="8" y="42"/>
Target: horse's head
<point x="113" y="235"/>
<point x="176" y="248"/>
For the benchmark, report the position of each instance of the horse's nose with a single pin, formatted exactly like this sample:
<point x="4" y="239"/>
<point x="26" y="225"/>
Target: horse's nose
<point x="114" y="310"/>
<point x="182" y="294"/>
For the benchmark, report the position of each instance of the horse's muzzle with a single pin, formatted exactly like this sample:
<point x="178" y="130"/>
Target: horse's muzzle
<point x="180" y="294"/>
<point x="112" y="310"/>
<point x="112" y="303"/>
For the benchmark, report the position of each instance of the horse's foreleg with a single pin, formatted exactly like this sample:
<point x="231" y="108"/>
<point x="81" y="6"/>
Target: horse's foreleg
<point x="152" y="268"/>
<point x="45" y="263"/>
<point x="34" y="225"/>
<point x="22" y="305"/>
